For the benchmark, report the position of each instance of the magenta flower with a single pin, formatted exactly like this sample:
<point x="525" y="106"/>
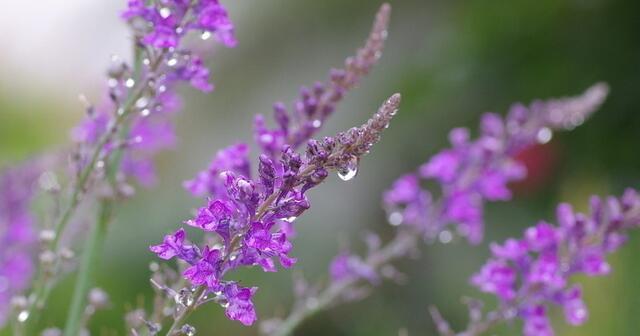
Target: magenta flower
<point x="530" y="274"/>
<point x="473" y="172"/>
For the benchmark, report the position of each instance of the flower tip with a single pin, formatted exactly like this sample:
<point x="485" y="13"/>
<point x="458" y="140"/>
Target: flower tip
<point x="385" y="8"/>
<point x="599" y="91"/>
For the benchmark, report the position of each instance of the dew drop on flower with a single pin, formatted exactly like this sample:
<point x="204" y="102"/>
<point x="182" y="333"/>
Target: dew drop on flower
<point x="349" y="170"/>
<point x="145" y="112"/>
<point x="290" y="219"/>
<point x="184" y="297"/>
<point x="445" y="237"/>
<point x="23" y="316"/>
<point x="205" y="35"/>
<point x="142" y="102"/>
<point x="112" y="82"/>
<point x="154" y="266"/>
<point x="544" y="135"/>
<point x="130" y="83"/>
<point x="165" y="12"/>
<point x="316" y="123"/>
<point x="395" y="218"/>
<point x="172" y="62"/>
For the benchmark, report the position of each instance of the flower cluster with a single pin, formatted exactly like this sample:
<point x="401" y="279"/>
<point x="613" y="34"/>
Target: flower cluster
<point x="249" y="220"/>
<point x="163" y="24"/>
<point x="531" y="273"/>
<point x="474" y="171"/>
<point x="470" y="173"/>
<point x="310" y="112"/>
<point x="17" y="232"/>
<point x="141" y="100"/>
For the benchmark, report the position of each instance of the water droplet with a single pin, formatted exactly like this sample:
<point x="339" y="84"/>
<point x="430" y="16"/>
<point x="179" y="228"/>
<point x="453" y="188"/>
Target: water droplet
<point x="316" y="123"/>
<point x="100" y="164"/>
<point x="130" y="83"/>
<point x="290" y="219"/>
<point x="544" y="135"/>
<point x="172" y="62"/>
<point x="395" y="218"/>
<point x="205" y="35"/>
<point x="120" y="111"/>
<point x="145" y="112"/>
<point x="146" y="61"/>
<point x="165" y="12"/>
<point x="23" y="316"/>
<point x="184" y="297"/>
<point x="349" y="170"/>
<point x="162" y="88"/>
<point x="154" y="266"/>
<point x="445" y="237"/>
<point x="112" y="82"/>
<point x="142" y="102"/>
<point x="225" y="304"/>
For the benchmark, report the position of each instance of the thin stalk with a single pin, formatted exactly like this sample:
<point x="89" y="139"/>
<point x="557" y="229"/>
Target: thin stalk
<point x="93" y="248"/>
<point x="42" y="288"/>
<point x="396" y="248"/>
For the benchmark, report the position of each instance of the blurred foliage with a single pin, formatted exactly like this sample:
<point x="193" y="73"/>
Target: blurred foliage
<point x="451" y="60"/>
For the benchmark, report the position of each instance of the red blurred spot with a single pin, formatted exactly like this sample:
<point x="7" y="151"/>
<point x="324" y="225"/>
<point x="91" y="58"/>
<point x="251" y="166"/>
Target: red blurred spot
<point x="541" y="162"/>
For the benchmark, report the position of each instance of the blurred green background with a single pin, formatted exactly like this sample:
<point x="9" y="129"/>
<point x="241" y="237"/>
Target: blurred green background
<point x="451" y="60"/>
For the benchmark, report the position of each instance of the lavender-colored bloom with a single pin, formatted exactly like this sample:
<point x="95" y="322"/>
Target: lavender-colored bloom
<point x="348" y="266"/>
<point x="314" y="105"/>
<point x="148" y="99"/>
<point x="174" y="245"/>
<point x="530" y="274"/>
<point x="17" y="232"/>
<point x="248" y="217"/>
<point x="239" y="305"/>
<point x="473" y="172"/>
<point x="234" y="158"/>
<point x="206" y="271"/>
<point x="163" y="24"/>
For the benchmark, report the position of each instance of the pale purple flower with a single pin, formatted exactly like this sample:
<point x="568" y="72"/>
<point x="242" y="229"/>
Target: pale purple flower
<point x="252" y="216"/>
<point x="17" y="231"/>
<point x="473" y="172"/>
<point x="239" y="305"/>
<point x="531" y="274"/>
<point x="174" y="245"/>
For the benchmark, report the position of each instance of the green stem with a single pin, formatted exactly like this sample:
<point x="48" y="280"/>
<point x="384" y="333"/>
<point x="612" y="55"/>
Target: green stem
<point x="92" y="250"/>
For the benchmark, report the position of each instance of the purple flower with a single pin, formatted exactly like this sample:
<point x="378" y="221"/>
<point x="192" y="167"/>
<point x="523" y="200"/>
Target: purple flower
<point x="174" y="245"/>
<point x="528" y="275"/>
<point x="536" y="322"/>
<point x="17" y="231"/>
<point x="269" y="244"/>
<point x="474" y="171"/>
<point x="169" y="21"/>
<point x="348" y="266"/>
<point x="206" y="271"/>
<point x="217" y="216"/>
<point x="239" y="306"/>
<point x="233" y="158"/>
<point x="498" y="278"/>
